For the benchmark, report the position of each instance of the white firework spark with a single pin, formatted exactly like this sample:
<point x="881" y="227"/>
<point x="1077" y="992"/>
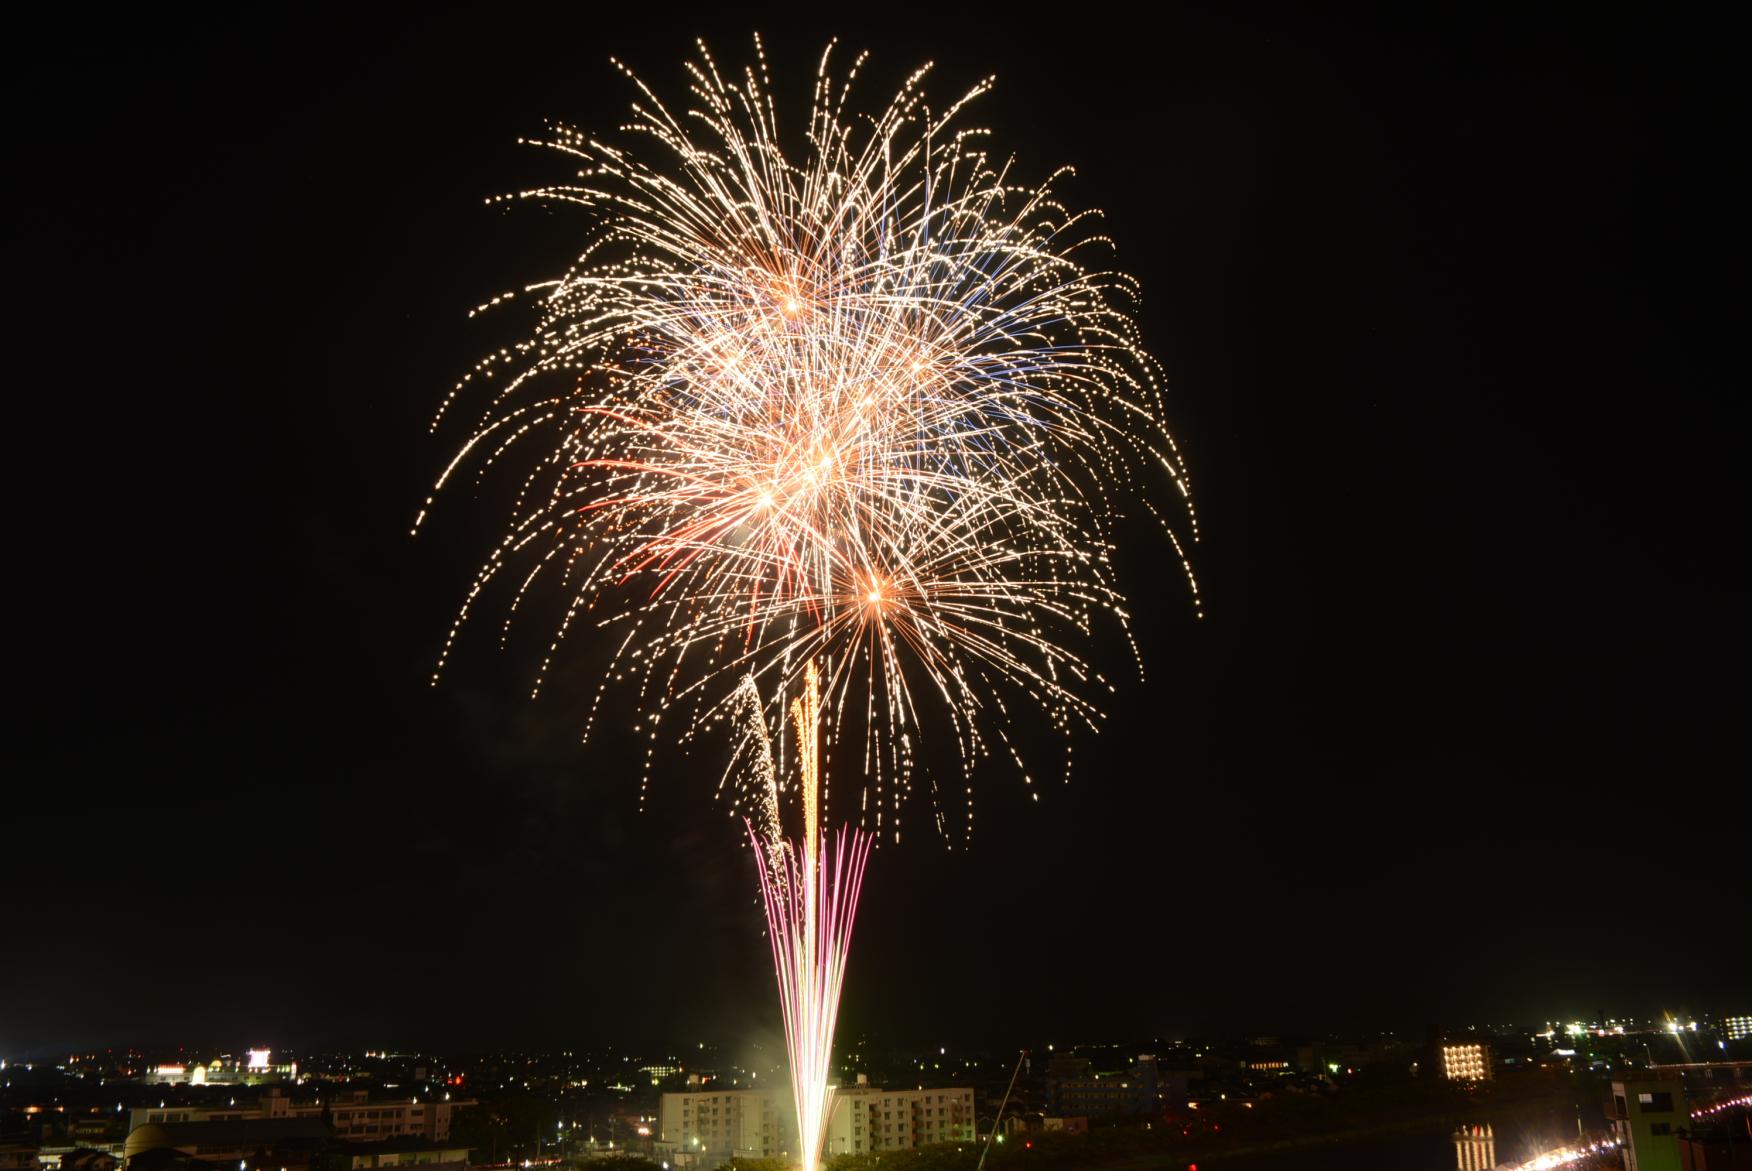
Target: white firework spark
<point x="870" y="407"/>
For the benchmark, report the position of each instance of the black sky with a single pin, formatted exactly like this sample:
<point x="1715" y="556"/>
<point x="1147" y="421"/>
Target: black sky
<point x="1450" y="307"/>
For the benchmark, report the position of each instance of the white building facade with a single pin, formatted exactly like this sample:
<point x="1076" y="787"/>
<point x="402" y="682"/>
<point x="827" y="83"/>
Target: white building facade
<point x="867" y="1119"/>
<point x="705" y="1128"/>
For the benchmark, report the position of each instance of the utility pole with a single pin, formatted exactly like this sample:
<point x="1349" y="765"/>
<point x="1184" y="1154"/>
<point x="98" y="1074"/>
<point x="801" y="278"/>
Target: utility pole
<point x="990" y="1138"/>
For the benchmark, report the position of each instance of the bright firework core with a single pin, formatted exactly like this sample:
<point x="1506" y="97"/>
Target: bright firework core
<point x="872" y="405"/>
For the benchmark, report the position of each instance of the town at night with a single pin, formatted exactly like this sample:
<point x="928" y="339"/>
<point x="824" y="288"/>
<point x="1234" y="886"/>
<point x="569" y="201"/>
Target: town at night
<point x="670" y="589"/>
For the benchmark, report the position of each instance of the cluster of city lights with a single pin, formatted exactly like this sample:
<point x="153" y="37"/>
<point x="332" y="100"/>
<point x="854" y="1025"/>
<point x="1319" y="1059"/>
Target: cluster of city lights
<point x="1719" y="1107"/>
<point x="1562" y="1157"/>
<point x="1464" y="1062"/>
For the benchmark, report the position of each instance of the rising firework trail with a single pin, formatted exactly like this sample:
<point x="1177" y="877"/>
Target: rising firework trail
<point x="846" y="421"/>
<point x="811" y="898"/>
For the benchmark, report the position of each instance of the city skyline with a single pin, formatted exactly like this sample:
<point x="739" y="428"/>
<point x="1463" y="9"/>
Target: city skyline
<point x="1600" y="1095"/>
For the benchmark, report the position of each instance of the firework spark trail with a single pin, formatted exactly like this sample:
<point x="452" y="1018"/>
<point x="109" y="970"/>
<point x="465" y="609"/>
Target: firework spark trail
<point x="811" y="900"/>
<point x="810" y="906"/>
<point x="868" y="405"/>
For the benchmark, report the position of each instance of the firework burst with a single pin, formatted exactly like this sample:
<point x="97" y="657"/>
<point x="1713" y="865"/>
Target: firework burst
<point x="866" y="406"/>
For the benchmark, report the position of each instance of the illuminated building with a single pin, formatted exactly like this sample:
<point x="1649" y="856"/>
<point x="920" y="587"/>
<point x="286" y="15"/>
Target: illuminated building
<point x="1465" y="1061"/>
<point x="255" y="1068"/>
<point x="1646" y="1116"/>
<point x="1739" y="1027"/>
<point x="705" y="1128"/>
<point x="864" y="1119"/>
<point x="1475" y="1148"/>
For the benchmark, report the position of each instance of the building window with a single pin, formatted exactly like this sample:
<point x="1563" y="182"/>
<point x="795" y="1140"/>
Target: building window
<point x="1661" y="1128"/>
<point x="1656" y="1103"/>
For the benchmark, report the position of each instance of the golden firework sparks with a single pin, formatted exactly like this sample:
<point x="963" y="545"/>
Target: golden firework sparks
<point x="872" y="404"/>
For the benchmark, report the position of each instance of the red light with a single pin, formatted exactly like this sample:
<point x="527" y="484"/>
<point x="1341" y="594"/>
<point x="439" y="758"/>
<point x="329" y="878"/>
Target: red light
<point x="1028" y="1145"/>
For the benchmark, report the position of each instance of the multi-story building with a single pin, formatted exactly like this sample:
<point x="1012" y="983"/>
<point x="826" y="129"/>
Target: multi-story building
<point x="705" y="1128"/>
<point x="1738" y="1027"/>
<point x="352" y="1115"/>
<point x="1136" y="1093"/>
<point x="355" y="1117"/>
<point x="1465" y="1061"/>
<point x="1647" y="1115"/>
<point x="865" y="1119"/>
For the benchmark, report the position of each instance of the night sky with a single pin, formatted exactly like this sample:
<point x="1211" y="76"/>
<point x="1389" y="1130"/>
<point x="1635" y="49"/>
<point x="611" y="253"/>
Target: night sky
<point x="1452" y="315"/>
